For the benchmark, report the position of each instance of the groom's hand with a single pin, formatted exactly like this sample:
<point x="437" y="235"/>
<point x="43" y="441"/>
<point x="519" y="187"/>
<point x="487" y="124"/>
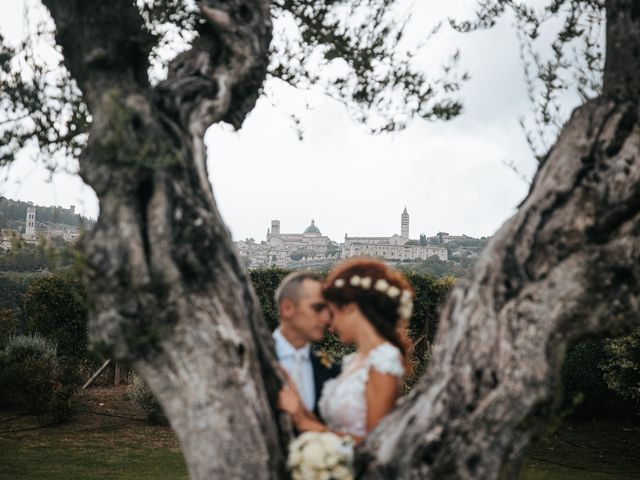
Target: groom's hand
<point x="289" y="400"/>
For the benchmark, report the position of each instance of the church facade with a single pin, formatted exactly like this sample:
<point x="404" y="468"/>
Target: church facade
<point x="288" y="249"/>
<point x="396" y="247"/>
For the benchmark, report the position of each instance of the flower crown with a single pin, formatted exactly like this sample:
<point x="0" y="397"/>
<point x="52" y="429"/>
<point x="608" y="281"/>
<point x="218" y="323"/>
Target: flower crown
<point x="381" y="285"/>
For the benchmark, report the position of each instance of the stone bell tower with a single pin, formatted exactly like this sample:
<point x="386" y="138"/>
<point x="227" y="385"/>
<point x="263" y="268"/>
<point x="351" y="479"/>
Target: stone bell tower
<point x="404" y="224"/>
<point x="30" y="225"/>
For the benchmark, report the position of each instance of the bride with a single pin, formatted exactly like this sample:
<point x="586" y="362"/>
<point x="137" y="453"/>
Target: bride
<point x="370" y="305"/>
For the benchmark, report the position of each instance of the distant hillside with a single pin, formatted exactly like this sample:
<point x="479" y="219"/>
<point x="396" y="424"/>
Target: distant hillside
<point x="15" y="211"/>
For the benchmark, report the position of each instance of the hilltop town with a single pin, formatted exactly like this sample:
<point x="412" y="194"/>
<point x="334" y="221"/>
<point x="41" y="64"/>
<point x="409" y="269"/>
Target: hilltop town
<point x="29" y="224"/>
<point x="439" y="254"/>
<point x="311" y="249"/>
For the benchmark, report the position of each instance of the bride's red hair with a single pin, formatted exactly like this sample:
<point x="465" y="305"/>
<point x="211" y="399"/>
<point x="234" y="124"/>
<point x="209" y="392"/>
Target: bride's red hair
<point x="378" y="307"/>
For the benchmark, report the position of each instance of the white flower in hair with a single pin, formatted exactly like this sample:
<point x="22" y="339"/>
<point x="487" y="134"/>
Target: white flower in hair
<point x="406" y="295"/>
<point x="339" y="283"/>
<point x="405" y="310"/>
<point x="355" y="281"/>
<point x="365" y="282"/>
<point x="381" y="285"/>
<point x="393" y="291"/>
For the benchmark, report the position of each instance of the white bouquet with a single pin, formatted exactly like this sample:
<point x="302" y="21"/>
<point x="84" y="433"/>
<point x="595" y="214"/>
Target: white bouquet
<point x="321" y="456"/>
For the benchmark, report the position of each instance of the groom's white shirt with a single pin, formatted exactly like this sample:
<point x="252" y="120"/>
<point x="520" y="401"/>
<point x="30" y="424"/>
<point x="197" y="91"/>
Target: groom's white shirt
<point x="298" y="365"/>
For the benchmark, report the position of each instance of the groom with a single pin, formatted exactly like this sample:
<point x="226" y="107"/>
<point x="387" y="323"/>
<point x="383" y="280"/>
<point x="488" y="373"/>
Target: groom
<point x="304" y="315"/>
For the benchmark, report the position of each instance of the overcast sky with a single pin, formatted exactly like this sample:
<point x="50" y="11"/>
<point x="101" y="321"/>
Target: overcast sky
<point x="451" y="176"/>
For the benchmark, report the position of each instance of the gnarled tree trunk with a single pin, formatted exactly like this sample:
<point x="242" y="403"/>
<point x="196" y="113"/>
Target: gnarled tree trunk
<point x="566" y="265"/>
<point x="169" y="294"/>
<point x="167" y="290"/>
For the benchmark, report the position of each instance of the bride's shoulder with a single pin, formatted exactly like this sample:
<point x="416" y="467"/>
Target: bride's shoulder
<point x="387" y="358"/>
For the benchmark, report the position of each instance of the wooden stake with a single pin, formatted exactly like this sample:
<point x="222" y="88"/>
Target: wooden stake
<point x="95" y="375"/>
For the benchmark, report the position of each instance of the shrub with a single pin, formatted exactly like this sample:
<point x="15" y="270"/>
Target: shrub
<point x="139" y="392"/>
<point x="585" y="391"/>
<point x="55" y="306"/>
<point x="265" y="281"/>
<point x="622" y="366"/>
<point x="8" y="324"/>
<point x="30" y="378"/>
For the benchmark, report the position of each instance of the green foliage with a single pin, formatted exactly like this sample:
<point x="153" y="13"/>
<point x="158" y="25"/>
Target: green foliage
<point x="265" y="281"/>
<point x="572" y="64"/>
<point x="37" y="87"/>
<point x="16" y="210"/>
<point x="376" y="79"/>
<point x="585" y="391"/>
<point x="622" y="367"/>
<point x="139" y="392"/>
<point x="430" y="293"/>
<point x="56" y="307"/>
<point x="13" y="285"/>
<point x="435" y="267"/>
<point x="30" y="378"/>
<point x="29" y="258"/>
<point x="8" y="324"/>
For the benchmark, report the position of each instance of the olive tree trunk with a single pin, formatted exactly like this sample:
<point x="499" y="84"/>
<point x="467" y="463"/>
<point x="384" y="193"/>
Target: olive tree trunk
<point x="169" y="295"/>
<point x="167" y="290"/>
<point x="566" y="265"/>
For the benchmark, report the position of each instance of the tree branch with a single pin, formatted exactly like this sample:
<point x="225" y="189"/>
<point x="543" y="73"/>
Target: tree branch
<point x="621" y="79"/>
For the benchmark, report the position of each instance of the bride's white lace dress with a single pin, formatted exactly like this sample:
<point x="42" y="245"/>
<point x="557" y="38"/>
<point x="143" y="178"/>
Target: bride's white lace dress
<point x="342" y="404"/>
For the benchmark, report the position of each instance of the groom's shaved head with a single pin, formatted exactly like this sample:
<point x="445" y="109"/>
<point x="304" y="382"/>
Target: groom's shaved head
<point x="289" y="288"/>
<point x="302" y="310"/>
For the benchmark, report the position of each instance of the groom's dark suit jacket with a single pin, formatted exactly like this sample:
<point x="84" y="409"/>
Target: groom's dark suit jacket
<point x="320" y="375"/>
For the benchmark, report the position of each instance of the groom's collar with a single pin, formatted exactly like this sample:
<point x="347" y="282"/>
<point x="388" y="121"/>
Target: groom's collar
<point x="284" y="349"/>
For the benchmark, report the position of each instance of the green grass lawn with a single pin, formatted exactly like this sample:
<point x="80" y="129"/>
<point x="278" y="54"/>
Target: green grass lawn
<point x="87" y="462"/>
<point x="109" y="438"/>
<point x="589" y="450"/>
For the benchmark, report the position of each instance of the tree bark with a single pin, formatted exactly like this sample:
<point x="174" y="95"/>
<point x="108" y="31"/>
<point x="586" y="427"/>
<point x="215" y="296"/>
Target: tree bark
<point x="168" y="292"/>
<point x="566" y="265"/>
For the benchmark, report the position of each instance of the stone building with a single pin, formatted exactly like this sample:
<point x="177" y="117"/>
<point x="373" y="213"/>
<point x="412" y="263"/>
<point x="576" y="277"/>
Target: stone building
<point x="30" y="224"/>
<point x="395" y="247"/>
<point x="311" y="242"/>
<point x="287" y="249"/>
<point x="34" y="233"/>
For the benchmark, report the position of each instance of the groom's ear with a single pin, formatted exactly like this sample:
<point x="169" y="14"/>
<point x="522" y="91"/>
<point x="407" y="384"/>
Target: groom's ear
<point x="287" y="308"/>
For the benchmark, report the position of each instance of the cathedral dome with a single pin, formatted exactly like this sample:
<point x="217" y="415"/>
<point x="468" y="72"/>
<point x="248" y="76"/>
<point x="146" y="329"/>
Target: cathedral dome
<point x="312" y="229"/>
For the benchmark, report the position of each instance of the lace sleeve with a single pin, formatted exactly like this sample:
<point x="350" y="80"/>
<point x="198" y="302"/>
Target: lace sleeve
<point x="386" y="358"/>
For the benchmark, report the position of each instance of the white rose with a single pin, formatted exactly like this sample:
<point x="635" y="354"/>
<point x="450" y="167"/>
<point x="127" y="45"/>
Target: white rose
<point x="331" y="460"/>
<point x="355" y="280"/>
<point x="339" y="283"/>
<point x="342" y="473"/>
<point x="323" y="475"/>
<point x="304" y="473"/>
<point x="295" y="458"/>
<point x="330" y="441"/>
<point x="313" y="454"/>
<point x="365" y="282"/>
